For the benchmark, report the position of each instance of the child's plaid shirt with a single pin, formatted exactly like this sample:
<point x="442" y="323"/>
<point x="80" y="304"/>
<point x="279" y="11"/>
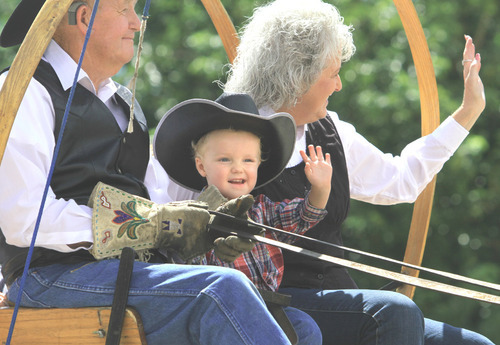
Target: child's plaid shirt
<point x="264" y="264"/>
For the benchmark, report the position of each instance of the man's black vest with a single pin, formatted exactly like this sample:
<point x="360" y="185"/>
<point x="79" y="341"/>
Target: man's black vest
<point x="302" y="271"/>
<point x="93" y="149"/>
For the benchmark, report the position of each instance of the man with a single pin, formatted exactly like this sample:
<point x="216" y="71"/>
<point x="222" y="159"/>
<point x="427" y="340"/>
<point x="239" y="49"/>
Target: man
<point x="178" y="304"/>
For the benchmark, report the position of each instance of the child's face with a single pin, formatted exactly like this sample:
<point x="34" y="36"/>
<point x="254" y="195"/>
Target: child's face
<point x="229" y="160"/>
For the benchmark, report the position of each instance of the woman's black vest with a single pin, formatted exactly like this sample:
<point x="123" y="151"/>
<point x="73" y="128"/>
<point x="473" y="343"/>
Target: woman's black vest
<point x="303" y="271"/>
<point x="93" y="149"/>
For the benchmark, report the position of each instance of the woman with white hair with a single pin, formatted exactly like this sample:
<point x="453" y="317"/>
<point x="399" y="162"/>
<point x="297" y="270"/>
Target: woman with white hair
<point x="289" y="59"/>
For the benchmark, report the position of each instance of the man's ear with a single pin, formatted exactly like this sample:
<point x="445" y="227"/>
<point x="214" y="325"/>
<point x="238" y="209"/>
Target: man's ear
<point x="73" y="8"/>
<point x="81" y="16"/>
<point x="199" y="166"/>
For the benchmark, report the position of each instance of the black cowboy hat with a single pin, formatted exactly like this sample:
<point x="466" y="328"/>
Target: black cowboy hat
<point x="190" y="120"/>
<point x="19" y="22"/>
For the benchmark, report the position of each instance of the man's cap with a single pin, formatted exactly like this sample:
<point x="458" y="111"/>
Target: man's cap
<point x="190" y="120"/>
<point x="20" y="21"/>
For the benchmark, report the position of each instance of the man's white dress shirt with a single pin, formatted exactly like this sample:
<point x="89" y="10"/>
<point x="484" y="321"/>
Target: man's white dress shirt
<point x="28" y="156"/>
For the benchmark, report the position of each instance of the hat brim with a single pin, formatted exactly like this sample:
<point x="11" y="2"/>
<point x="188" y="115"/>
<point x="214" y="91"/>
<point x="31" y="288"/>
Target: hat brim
<point x="191" y="119"/>
<point x="19" y="23"/>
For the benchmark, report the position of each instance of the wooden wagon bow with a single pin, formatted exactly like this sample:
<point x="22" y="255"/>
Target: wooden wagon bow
<point x="43" y="27"/>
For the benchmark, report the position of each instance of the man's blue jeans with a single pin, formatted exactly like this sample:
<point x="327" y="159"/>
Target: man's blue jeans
<point x="370" y="317"/>
<point x="178" y="304"/>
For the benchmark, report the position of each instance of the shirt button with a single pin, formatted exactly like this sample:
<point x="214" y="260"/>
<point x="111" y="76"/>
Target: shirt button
<point x="293" y="172"/>
<point x="320" y="276"/>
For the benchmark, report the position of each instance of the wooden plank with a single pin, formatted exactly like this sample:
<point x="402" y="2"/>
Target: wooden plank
<point x="70" y="326"/>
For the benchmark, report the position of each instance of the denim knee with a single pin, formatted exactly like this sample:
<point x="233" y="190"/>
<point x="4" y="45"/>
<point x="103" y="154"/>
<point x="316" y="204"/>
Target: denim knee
<point x="231" y="279"/>
<point x="396" y="309"/>
<point x="306" y="328"/>
<point x="230" y="287"/>
<point x="309" y="333"/>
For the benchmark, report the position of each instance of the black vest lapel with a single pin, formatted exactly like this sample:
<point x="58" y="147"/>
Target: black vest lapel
<point x="302" y="271"/>
<point x="93" y="147"/>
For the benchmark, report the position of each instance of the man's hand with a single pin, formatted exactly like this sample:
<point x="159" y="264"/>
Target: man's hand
<point x="120" y="219"/>
<point x="230" y="248"/>
<point x="212" y="197"/>
<point x="183" y="229"/>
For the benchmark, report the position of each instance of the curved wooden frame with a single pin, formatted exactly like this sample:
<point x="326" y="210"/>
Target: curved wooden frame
<point x="429" y="103"/>
<point x="25" y="62"/>
<point x="50" y="15"/>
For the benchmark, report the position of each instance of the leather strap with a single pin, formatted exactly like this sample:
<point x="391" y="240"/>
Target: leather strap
<point x="237" y="224"/>
<point x="120" y="297"/>
<point x="275" y="303"/>
<point x="406" y="279"/>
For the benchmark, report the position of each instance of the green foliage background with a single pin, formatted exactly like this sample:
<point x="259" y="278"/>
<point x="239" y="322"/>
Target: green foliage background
<point x="183" y="56"/>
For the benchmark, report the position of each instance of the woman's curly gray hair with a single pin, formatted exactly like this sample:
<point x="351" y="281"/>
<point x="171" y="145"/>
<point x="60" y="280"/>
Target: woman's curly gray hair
<point x="284" y="47"/>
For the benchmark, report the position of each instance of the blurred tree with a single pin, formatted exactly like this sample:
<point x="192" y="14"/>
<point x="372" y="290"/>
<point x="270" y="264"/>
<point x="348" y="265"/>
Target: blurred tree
<point x="183" y="56"/>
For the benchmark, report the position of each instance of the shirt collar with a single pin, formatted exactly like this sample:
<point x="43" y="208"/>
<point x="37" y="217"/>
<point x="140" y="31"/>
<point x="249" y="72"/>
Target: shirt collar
<point x="300" y="138"/>
<point x="268" y="111"/>
<point x="65" y="68"/>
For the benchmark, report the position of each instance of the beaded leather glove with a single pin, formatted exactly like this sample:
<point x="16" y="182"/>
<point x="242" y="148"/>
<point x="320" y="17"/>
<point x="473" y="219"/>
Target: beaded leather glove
<point x="121" y="220"/>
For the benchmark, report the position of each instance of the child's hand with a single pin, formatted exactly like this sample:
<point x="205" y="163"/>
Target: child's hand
<point x="318" y="168"/>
